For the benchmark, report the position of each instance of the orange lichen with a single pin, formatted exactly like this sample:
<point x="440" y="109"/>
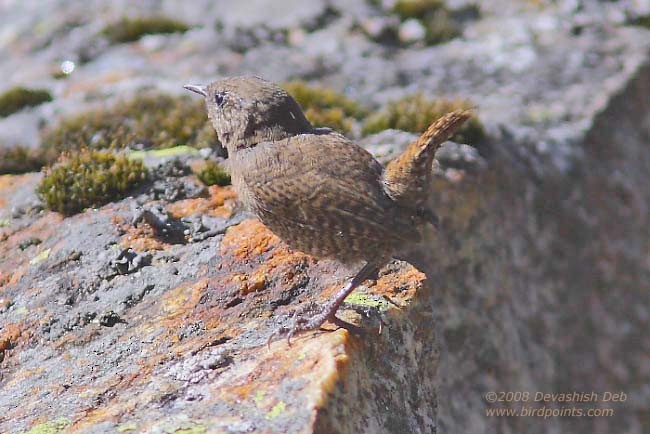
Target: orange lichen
<point x="9" y="336"/>
<point x="250" y="283"/>
<point x="408" y="282"/>
<point x="177" y="302"/>
<point x="218" y="204"/>
<point x="248" y="239"/>
<point x="141" y="238"/>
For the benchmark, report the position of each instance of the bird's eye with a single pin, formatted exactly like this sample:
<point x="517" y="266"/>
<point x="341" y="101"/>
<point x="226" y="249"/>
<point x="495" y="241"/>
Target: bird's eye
<point x="219" y="98"/>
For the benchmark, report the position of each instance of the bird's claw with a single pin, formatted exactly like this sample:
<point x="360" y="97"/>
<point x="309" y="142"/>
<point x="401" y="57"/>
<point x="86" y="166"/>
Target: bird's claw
<point x="311" y="318"/>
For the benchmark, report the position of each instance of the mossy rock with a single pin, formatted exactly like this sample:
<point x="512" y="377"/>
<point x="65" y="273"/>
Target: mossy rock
<point x="132" y="29"/>
<point x="325" y="107"/>
<point x="434" y="16"/>
<point x="17" y="98"/>
<point x="213" y="173"/>
<point x="415" y="113"/>
<point x="152" y="120"/>
<point x="19" y="159"/>
<point x="89" y="179"/>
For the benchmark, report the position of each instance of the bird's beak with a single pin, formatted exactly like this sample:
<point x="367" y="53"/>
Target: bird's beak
<point x="197" y="88"/>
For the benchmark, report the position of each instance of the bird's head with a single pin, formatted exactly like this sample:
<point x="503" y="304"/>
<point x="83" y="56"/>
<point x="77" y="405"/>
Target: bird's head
<point x="248" y="110"/>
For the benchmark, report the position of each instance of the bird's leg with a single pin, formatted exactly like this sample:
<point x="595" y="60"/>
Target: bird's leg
<point x="328" y="311"/>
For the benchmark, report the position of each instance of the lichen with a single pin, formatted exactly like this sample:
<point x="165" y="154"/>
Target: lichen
<point x="433" y="15"/>
<point x="17" y="98"/>
<point x="51" y="427"/>
<point x="132" y="29"/>
<point x="20" y="159"/>
<point x="415" y="113"/>
<point x="213" y="173"/>
<point x="361" y="299"/>
<point x="325" y="107"/>
<point x="89" y="179"/>
<point x="277" y="410"/>
<point x="175" y="151"/>
<point x="130" y="426"/>
<point x="149" y="120"/>
<point x="259" y="396"/>
<point x="180" y="424"/>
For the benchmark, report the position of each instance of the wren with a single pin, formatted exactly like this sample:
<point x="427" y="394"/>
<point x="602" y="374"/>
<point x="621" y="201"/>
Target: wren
<point x="317" y="190"/>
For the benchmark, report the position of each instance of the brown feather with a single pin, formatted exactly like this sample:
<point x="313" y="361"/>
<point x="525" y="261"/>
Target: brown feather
<point x="338" y="209"/>
<point x="408" y="176"/>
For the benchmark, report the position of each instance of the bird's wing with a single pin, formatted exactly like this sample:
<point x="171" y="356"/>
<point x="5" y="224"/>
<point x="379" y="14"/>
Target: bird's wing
<point x="330" y="184"/>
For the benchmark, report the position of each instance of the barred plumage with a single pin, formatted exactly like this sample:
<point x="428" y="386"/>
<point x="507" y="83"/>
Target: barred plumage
<point x="317" y="190"/>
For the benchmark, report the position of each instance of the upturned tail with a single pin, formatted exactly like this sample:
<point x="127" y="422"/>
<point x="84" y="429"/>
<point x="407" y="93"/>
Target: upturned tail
<point x="407" y="178"/>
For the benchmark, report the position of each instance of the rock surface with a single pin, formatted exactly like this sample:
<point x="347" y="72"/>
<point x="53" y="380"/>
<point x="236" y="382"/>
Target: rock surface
<point x="179" y="341"/>
<point x="537" y="282"/>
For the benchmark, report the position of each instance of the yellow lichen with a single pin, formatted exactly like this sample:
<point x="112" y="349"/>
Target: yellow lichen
<point x="277" y="410"/>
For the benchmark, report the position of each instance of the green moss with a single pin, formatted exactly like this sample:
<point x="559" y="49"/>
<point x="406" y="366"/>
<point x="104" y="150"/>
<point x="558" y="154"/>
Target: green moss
<point x="643" y="21"/>
<point x="51" y="427"/>
<point x="59" y="75"/>
<point x="89" y="179"/>
<point x="19" y="159"/>
<point x="213" y="173"/>
<point x="415" y="113"/>
<point x="440" y="27"/>
<point x="132" y="29"/>
<point x="325" y="107"/>
<point x="434" y="16"/>
<point x="17" y="98"/>
<point x="418" y="9"/>
<point x="154" y="120"/>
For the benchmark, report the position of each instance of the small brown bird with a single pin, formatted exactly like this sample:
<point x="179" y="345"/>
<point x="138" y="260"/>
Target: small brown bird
<point x="318" y="191"/>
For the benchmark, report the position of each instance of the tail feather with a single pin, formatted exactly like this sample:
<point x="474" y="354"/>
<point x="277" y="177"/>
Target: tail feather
<point x="408" y="176"/>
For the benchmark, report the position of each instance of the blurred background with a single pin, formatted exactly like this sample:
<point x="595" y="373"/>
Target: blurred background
<point x="519" y="62"/>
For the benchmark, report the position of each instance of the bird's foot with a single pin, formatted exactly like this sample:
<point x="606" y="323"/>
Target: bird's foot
<point x="311" y="317"/>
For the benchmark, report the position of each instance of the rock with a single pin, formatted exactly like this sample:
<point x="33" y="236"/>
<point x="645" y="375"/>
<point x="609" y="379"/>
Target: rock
<point x="286" y="14"/>
<point x="135" y="353"/>
<point x="388" y="144"/>
<point x="381" y="28"/>
<point x="459" y="156"/>
<point x="411" y="31"/>
<point x="128" y="261"/>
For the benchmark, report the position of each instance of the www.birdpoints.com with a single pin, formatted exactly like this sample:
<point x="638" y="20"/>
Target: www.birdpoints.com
<point x="555" y="401"/>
